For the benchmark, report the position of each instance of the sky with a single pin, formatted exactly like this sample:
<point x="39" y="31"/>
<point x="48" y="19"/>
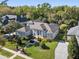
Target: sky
<point x="36" y="2"/>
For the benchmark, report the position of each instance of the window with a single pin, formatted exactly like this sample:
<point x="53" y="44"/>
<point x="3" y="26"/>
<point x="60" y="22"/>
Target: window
<point x="37" y="32"/>
<point x="33" y="33"/>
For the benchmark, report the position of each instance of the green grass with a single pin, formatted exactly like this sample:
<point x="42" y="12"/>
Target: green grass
<point x="38" y="53"/>
<point x="18" y="57"/>
<point x="10" y="45"/>
<point x="5" y="53"/>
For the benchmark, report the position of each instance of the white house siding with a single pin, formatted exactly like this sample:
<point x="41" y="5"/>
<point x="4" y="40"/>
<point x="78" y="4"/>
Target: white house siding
<point x="42" y="32"/>
<point x="55" y="33"/>
<point x="52" y="35"/>
<point x="24" y="33"/>
<point x="37" y="33"/>
<point x="49" y="35"/>
<point x="34" y="32"/>
<point x="77" y="39"/>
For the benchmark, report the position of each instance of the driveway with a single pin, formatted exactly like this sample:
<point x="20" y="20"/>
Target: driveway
<point x="2" y="57"/>
<point x="61" y="51"/>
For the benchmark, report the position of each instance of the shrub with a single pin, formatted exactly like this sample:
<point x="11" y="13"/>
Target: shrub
<point x="44" y="46"/>
<point x="73" y="49"/>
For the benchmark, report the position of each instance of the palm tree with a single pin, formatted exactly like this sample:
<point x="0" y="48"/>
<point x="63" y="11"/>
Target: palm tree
<point x="64" y="28"/>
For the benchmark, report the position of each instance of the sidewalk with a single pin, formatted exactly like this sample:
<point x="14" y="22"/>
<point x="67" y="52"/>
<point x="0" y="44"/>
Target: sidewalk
<point x="3" y="57"/>
<point x="16" y="53"/>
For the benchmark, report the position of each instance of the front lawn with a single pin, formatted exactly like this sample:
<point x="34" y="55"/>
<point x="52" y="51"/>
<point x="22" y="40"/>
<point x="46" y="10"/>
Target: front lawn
<point x="10" y="45"/>
<point x="5" y="53"/>
<point x="38" y="53"/>
<point x="18" y="57"/>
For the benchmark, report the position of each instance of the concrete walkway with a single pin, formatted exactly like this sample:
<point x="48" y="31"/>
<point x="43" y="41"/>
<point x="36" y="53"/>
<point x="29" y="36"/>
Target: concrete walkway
<point x="3" y="57"/>
<point x="16" y="53"/>
<point x="61" y="52"/>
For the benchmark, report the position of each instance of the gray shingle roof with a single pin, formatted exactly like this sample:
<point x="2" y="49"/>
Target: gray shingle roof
<point x="35" y="25"/>
<point x="10" y="16"/>
<point x="53" y="27"/>
<point x="23" y="29"/>
<point x="73" y="31"/>
<point x="40" y="26"/>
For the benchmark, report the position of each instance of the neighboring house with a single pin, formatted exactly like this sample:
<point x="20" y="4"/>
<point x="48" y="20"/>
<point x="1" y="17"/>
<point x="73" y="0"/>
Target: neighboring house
<point x="8" y="18"/>
<point x="74" y="31"/>
<point x="39" y="30"/>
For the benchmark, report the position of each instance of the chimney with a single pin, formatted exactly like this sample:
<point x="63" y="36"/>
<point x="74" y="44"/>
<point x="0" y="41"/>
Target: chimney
<point x="26" y="26"/>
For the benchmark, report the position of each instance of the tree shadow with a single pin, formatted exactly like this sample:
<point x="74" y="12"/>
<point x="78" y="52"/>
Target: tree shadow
<point x="25" y="53"/>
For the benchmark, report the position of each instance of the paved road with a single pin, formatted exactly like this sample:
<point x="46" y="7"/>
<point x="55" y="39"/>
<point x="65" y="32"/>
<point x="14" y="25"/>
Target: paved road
<point x="61" y="51"/>
<point x="2" y="57"/>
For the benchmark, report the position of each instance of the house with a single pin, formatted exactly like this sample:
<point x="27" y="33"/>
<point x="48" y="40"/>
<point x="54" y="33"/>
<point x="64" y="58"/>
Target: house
<point x="19" y="19"/>
<point x="39" y="30"/>
<point x="74" y="31"/>
<point x="7" y="18"/>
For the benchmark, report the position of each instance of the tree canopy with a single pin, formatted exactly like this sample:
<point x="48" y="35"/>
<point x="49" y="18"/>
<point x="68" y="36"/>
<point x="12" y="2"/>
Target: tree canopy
<point x="46" y="13"/>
